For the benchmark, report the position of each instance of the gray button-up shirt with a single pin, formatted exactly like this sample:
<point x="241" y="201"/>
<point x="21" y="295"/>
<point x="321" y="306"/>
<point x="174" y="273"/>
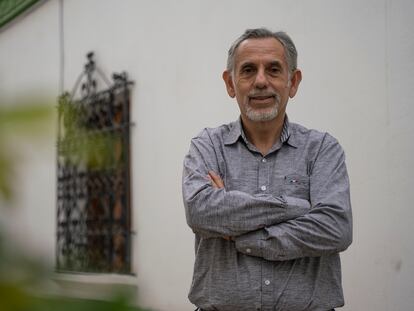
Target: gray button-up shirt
<point x="288" y="213"/>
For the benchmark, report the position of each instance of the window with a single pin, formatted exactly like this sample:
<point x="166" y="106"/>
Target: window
<point x="93" y="182"/>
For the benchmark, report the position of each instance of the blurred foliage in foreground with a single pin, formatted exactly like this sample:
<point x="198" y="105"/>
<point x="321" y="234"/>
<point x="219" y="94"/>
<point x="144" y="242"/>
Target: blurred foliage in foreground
<point x="18" y="120"/>
<point x="22" y="278"/>
<point x="23" y="281"/>
<point x="79" y="141"/>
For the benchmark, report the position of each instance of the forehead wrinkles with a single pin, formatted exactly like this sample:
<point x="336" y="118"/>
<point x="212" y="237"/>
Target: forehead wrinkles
<point x="255" y="50"/>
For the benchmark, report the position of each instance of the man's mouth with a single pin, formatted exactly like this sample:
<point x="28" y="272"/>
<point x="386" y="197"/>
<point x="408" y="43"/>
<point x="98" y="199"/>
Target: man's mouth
<point x="261" y="98"/>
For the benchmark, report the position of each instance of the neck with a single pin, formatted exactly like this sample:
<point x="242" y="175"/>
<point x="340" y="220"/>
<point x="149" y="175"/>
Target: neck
<point x="263" y="135"/>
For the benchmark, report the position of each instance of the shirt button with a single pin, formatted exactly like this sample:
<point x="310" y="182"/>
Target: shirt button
<point x="263" y="188"/>
<point x="264" y="160"/>
<point x="248" y="250"/>
<point x="267" y="282"/>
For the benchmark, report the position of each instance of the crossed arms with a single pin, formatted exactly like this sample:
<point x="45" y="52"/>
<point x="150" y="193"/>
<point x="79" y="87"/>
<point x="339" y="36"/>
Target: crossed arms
<point x="274" y="228"/>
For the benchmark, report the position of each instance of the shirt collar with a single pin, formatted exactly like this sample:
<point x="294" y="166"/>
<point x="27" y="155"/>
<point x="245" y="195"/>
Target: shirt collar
<point x="236" y="131"/>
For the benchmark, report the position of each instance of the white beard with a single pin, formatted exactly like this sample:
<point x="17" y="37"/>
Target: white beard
<point x="258" y="115"/>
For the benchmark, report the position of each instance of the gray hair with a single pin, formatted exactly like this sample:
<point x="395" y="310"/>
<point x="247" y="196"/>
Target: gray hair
<point x="261" y="33"/>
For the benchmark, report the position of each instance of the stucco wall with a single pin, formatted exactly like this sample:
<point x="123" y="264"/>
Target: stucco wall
<point x="357" y="59"/>
<point x="29" y="71"/>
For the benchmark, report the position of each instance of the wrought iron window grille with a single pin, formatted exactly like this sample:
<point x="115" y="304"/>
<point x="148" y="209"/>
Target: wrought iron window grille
<point x="93" y="179"/>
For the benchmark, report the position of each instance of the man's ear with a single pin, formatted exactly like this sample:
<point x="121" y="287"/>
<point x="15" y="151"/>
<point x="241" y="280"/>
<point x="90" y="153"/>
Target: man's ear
<point x="228" y="80"/>
<point x="294" y="82"/>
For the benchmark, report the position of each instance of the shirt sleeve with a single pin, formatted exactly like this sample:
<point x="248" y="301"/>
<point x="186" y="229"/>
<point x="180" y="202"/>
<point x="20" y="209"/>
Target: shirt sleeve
<point x="325" y="229"/>
<point x="213" y="212"/>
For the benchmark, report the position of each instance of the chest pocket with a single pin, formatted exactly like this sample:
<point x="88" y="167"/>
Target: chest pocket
<point x="294" y="185"/>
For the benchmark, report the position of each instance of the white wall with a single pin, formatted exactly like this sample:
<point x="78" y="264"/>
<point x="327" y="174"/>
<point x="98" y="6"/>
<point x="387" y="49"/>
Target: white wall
<point x="29" y="71"/>
<point x="357" y="59"/>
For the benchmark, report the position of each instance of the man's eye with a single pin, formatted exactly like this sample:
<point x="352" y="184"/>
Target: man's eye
<point x="274" y="69"/>
<point x="247" y="70"/>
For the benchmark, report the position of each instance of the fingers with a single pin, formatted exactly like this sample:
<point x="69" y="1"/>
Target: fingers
<point x="212" y="182"/>
<point x="216" y="180"/>
<point x="217" y="183"/>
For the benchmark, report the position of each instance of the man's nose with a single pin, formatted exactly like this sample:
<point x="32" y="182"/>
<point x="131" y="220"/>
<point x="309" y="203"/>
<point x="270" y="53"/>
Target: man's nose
<point x="261" y="79"/>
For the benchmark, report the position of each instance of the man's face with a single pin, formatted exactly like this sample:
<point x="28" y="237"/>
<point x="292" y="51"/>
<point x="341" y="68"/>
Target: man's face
<point x="260" y="80"/>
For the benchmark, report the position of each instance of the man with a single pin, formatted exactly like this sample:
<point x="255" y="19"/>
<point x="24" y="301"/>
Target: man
<point x="267" y="199"/>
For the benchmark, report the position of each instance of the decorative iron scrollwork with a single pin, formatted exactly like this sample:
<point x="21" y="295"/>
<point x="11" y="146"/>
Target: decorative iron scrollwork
<point x="93" y="186"/>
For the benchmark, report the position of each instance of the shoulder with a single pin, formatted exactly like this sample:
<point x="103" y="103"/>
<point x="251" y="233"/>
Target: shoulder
<point x="208" y="144"/>
<point x="315" y="144"/>
<point x="305" y="136"/>
<point x="214" y="135"/>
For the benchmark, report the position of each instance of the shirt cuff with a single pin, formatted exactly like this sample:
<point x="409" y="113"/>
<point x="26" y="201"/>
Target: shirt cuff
<point x="252" y="243"/>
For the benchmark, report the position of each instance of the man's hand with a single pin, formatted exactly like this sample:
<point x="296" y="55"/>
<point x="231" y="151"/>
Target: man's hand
<point x="215" y="179"/>
<point x="217" y="183"/>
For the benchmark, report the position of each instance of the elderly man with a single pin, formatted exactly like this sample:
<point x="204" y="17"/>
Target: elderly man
<point x="267" y="199"/>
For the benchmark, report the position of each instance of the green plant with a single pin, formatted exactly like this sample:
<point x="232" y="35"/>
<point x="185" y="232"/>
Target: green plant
<point x="21" y="276"/>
